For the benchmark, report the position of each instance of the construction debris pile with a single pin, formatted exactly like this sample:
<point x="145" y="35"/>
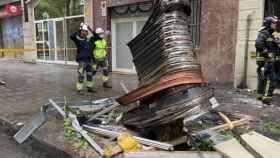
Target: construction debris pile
<point x="171" y="88"/>
<point x="171" y="85"/>
<point x="121" y="142"/>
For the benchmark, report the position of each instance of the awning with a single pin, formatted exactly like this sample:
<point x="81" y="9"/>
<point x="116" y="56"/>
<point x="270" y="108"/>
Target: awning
<point x="10" y="10"/>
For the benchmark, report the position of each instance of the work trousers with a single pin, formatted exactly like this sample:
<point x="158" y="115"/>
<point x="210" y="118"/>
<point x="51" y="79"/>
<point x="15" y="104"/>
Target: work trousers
<point x="269" y="83"/>
<point x="84" y="69"/>
<point x="103" y="65"/>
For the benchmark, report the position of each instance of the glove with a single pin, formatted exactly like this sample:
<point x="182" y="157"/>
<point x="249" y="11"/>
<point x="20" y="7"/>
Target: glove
<point x="81" y="25"/>
<point x="270" y="55"/>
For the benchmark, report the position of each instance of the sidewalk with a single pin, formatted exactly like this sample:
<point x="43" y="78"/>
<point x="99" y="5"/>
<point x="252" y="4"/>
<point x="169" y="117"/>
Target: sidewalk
<point x="29" y="86"/>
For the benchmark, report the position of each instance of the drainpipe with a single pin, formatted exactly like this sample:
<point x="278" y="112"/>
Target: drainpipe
<point x="243" y="82"/>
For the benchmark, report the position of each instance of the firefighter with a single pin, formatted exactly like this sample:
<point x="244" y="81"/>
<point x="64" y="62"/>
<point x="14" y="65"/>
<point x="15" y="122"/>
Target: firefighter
<point x="84" y="57"/>
<point x="100" y="57"/>
<point x="276" y="35"/>
<point x="267" y="48"/>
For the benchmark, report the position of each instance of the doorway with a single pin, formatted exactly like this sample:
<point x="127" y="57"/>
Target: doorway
<point x="124" y="30"/>
<point x="51" y="43"/>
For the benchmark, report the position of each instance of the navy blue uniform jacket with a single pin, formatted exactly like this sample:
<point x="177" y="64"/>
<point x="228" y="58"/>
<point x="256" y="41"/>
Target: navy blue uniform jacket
<point x="84" y="46"/>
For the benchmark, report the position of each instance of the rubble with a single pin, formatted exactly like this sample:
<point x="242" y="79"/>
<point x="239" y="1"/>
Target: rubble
<point x="171" y="88"/>
<point x="171" y="85"/>
<point x="143" y="141"/>
<point x="111" y="132"/>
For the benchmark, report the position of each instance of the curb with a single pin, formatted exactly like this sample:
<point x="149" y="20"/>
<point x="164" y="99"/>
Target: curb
<point x="35" y="142"/>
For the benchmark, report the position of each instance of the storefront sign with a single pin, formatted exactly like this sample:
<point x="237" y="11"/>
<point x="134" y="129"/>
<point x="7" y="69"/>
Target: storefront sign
<point x="10" y="10"/>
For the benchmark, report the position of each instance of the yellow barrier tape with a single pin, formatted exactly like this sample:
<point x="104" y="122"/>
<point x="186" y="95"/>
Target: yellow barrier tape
<point x="13" y="50"/>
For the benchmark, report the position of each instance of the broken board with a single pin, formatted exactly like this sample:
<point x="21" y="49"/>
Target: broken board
<point x="232" y="149"/>
<point x="265" y="146"/>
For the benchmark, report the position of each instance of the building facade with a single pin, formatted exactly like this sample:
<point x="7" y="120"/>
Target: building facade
<point x="213" y="24"/>
<point x="11" y="35"/>
<point x="224" y="34"/>
<point x="251" y="14"/>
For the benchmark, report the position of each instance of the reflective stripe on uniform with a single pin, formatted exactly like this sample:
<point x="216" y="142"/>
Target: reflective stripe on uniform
<point x="267" y="98"/>
<point x="94" y="67"/>
<point x="81" y="70"/>
<point x="79" y="86"/>
<point x="89" y="84"/>
<point x="100" y="51"/>
<point x="267" y="88"/>
<point x="104" y="78"/>
<point x="258" y="95"/>
<point x="269" y="39"/>
<point x="260" y="58"/>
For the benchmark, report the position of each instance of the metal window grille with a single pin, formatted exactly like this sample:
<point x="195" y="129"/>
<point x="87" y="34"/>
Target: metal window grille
<point x="195" y="22"/>
<point x="272" y="7"/>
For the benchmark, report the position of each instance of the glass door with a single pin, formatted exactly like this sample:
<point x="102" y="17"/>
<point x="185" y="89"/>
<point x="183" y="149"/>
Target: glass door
<point x="40" y="40"/>
<point x="124" y="30"/>
<point x="45" y="40"/>
<point x="124" y="33"/>
<point x="50" y="40"/>
<point x="60" y="54"/>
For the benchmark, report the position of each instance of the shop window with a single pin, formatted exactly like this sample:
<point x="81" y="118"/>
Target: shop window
<point x="195" y="22"/>
<point x="47" y="9"/>
<point x="144" y="9"/>
<point x="272" y="7"/>
<point x="72" y="25"/>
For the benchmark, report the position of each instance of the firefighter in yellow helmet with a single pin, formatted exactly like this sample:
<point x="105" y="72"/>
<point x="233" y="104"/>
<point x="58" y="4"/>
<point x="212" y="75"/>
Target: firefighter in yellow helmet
<point x="100" y="57"/>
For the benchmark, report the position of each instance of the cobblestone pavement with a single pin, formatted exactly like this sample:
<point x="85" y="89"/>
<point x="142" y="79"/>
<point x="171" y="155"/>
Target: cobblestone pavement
<point x="28" y="86"/>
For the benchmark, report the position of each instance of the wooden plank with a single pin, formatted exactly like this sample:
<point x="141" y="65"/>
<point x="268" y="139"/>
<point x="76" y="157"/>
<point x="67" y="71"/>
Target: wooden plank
<point x="232" y="149"/>
<point x="163" y="154"/>
<point x="225" y="127"/>
<point x="265" y="146"/>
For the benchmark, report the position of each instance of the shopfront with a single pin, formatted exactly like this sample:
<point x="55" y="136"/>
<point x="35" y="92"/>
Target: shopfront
<point x="50" y="39"/>
<point x="53" y="32"/>
<point x="11" y="29"/>
<point x="126" y="23"/>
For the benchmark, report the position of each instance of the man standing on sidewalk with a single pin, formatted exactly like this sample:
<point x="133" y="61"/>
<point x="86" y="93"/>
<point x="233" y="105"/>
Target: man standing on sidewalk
<point x="267" y="48"/>
<point x="100" y="57"/>
<point x="84" y="57"/>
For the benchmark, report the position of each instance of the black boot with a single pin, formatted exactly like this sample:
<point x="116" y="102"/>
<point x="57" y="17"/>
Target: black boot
<point x="267" y="101"/>
<point x="106" y="85"/>
<point x="90" y="90"/>
<point x="259" y="97"/>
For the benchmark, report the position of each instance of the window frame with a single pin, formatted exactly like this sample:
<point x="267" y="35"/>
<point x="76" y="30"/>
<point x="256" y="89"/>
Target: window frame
<point x="195" y="21"/>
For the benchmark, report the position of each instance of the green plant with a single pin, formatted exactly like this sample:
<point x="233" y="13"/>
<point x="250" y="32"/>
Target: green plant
<point x="206" y="145"/>
<point x="271" y="127"/>
<point x="71" y="135"/>
<point x="80" y="144"/>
